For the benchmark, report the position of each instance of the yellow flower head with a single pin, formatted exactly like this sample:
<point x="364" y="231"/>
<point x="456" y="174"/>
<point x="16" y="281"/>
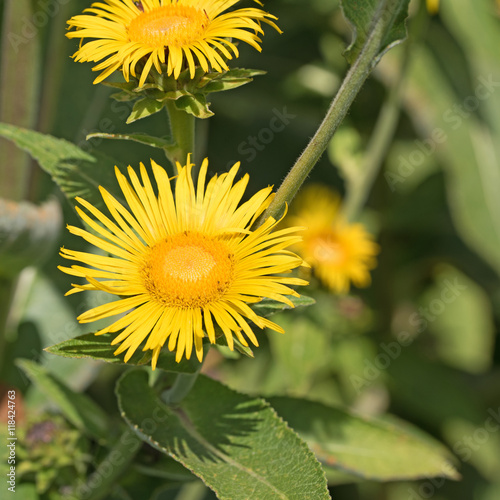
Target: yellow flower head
<point x="432" y="6"/>
<point x="180" y="33"/>
<point x="338" y="252"/>
<point x="182" y="260"/>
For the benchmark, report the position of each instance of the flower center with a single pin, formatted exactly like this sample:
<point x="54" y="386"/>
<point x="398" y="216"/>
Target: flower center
<point x="169" y="25"/>
<point x="188" y="270"/>
<point x="326" y="248"/>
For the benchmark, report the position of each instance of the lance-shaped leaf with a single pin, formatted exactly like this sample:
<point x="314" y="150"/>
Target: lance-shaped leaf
<point x="236" y="444"/>
<point x="76" y="172"/>
<point x="362" y="15"/>
<point x="268" y="307"/>
<point x="141" y="138"/>
<point x="143" y="108"/>
<point x="79" y="409"/>
<point x="99" y="348"/>
<point x="27" y="234"/>
<point x="368" y="448"/>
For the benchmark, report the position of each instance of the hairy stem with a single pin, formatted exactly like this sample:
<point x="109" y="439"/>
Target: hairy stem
<point x="182" y="128"/>
<point x="354" y="80"/>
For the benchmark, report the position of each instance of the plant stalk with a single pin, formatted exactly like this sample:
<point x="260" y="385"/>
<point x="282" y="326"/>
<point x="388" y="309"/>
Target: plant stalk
<point x="182" y="129"/>
<point x="354" y="80"/>
<point x="384" y="130"/>
<point x="183" y="383"/>
<point x="112" y="467"/>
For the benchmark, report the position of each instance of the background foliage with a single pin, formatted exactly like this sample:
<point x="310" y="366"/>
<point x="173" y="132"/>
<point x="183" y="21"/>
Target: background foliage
<point x="420" y="344"/>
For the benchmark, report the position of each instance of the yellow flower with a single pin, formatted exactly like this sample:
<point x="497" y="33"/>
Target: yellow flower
<point x="338" y="252"/>
<point x="433" y="6"/>
<point x="183" y="260"/>
<point x="180" y="33"/>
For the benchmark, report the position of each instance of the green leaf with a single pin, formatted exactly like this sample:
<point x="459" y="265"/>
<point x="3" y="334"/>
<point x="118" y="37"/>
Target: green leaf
<point x="196" y="105"/>
<point x="218" y="82"/>
<point x="27" y="234"/>
<point x="474" y="180"/>
<point x="124" y="86"/>
<point x="141" y="138"/>
<point x="463" y="330"/>
<point x="465" y="147"/>
<point x="235" y="443"/>
<point x="366" y="447"/>
<point x="77" y="172"/>
<point x="267" y="307"/>
<point x="144" y="107"/>
<point x="361" y="13"/>
<point x="26" y="491"/>
<point x="300" y="356"/>
<point x="99" y="348"/>
<point x="79" y="409"/>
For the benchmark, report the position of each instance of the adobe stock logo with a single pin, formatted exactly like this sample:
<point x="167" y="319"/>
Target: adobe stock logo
<point x="44" y="11"/>
<point x="454" y="118"/>
<point x="251" y="147"/>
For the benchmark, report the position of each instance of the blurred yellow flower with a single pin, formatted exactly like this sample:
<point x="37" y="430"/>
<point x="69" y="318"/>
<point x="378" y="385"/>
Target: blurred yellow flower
<point x="338" y="252"/>
<point x="433" y="6"/>
<point x="180" y="33"/>
<point x="183" y="260"/>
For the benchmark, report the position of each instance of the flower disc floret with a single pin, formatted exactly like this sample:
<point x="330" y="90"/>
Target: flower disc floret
<point x="188" y="270"/>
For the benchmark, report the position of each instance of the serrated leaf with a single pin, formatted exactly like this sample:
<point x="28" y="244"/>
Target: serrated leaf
<point x="99" y="348"/>
<point x="195" y="105"/>
<point x="235" y="443"/>
<point x="141" y="138"/>
<point x="27" y="234"/>
<point x="367" y="447"/>
<point x="75" y="171"/>
<point x="267" y="307"/>
<point x="79" y="409"/>
<point x="361" y="15"/>
<point x="144" y="107"/>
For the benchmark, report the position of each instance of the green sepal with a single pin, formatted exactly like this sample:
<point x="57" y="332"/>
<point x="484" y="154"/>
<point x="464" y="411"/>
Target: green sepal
<point x="99" y="348"/>
<point x="144" y="107"/>
<point x="195" y="105"/>
<point x="268" y="307"/>
<point x="189" y="94"/>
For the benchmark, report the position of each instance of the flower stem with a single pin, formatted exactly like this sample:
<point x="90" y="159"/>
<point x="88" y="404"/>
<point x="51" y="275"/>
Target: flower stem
<point x="354" y="80"/>
<point x="183" y="383"/>
<point x="182" y="127"/>
<point x="112" y="467"/>
<point x="384" y="131"/>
